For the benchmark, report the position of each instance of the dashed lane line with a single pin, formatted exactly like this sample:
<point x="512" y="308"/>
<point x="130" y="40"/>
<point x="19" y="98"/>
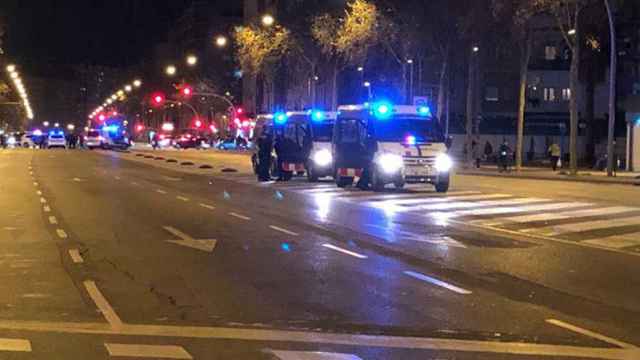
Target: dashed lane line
<point x="311" y="355"/>
<point x="39" y="192"/>
<point x="182" y="198"/>
<point x="148" y="351"/>
<point x="46" y="208"/>
<point x="437" y="282"/>
<point x="75" y="256"/>
<point x="43" y="200"/>
<point x="206" y="206"/>
<point x="103" y="305"/>
<point x="236" y="215"/>
<point x="159" y="191"/>
<point x="344" y="251"/>
<point x="53" y="220"/>
<point x="62" y="234"/>
<point x="276" y="228"/>
<point x="591" y="334"/>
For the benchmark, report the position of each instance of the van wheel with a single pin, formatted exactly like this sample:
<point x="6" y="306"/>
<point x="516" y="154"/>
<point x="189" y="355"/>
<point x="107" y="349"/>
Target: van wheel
<point x="311" y="174"/>
<point x="442" y="187"/>
<point x="377" y="184"/>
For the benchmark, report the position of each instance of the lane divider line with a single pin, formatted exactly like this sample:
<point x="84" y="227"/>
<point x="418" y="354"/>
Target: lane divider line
<point x="21" y="345"/>
<point x="62" y="234"/>
<point x="591" y="334"/>
<point x="43" y="200"/>
<point x="53" y="220"/>
<point x="148" y="351"/>
<point x="161" y="191"/>
<point x="39" y="192"/>
<point x="345" y="251"/>
<point x="437" y="282"/>
<point x="207" y="206"/>
<point x="75" y="256"/>
<point x="103" y="305"/>
<point x="276" y="228"/>
<point x="239" y="216"/>
<point x="135" y="183"/>
<point x="46" y="208"/>
<point x="118" y="178"/>
<point x="182" y="198"/>
<point x="35" y="183"/>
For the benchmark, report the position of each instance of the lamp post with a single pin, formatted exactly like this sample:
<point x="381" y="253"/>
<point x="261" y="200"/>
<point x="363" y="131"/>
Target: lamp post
<point x="268" y="20"/>
<point x="368" y="86"/>
<point x="410" y="62"/>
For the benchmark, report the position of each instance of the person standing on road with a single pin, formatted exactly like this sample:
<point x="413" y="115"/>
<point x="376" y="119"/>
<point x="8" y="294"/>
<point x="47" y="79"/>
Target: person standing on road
<point x="475" y="153"/>
<point x="503" y="156"/>
<point x="488" y="151"/>
<point x="554" y="154"/>
<point x="265" y="147"/>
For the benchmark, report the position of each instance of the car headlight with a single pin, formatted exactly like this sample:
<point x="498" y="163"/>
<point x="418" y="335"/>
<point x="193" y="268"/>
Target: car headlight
<point x="390" y="163"/>
<point x="443" y="163"/>
<point x="11" y="140"/>
<point x="322" y="158"/>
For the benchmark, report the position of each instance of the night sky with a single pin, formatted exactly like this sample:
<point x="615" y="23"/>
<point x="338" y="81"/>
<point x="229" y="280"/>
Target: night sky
<point x="100" y="32"/>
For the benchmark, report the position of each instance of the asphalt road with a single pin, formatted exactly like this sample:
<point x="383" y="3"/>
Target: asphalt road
<point x="116" y="255"/>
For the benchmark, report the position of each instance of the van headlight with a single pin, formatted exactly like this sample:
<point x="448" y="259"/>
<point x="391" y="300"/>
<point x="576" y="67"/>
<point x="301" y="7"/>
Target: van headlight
<point x="322" y="158"/>
<point x="390" y="163"/>
<point x="443" y="163"/>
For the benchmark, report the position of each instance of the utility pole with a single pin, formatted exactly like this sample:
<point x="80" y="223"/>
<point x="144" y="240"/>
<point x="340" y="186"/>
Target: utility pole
<point x="611" y="163"/>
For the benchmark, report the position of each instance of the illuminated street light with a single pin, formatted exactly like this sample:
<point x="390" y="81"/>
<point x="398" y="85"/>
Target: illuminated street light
<point x="192" y="60"/>
<point x="137" y="83"/>
<point x="268" y="20"/>
<point x="572" y="32"/>
<point x="71" y="127"/>
<point x="360" y="69"/>
<point x="221" y="41"/>
<point x="45" y="123"/>
<point x="170" y="70"/>
<point x="56" y="125"/>
<point x="128" y="88"/>
<point x="11" y="68"/>
<point x="14" y="75"/>
<point x="114" y="97"/>
<point x="475" y="49"/>
<point x="109" y="101"/>
<point x="366" y="84"/>
<point x="410" y="61"/>
<point x="120" y="92"/>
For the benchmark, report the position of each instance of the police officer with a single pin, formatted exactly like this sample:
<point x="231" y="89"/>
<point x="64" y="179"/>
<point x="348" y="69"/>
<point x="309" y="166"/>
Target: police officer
<point x="265" y="147"/>
<point x="503" y="156"/>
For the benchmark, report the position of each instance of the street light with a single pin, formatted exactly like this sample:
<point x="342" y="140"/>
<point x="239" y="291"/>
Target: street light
<point x="171" y="70"/>
<point x="268" y="20"/>
<point x="475" y="49"/>
<point x="137" y="83"/>
<point x="192" y="60"/>
<point x="128" y="88"/>
<point x="360" y="69"/>
<point x="571" y="32"/>
<point x="71" y="127"/>
<point x="221" y="41"/>
<point x="56" y="125"/>
<point x="45" y="123"/>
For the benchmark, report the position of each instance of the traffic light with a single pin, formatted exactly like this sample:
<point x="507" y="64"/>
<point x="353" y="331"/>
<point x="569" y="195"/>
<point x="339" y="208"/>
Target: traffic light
<point x="187" y="91"/>
<point x="197" y="123"/>
<point x="139" y="127"/>
<point x="102" y="117"/>
<point x="157" y="99"/>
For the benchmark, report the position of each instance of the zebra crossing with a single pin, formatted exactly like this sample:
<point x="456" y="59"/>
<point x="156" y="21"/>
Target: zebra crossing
<point x="616" y="227"/>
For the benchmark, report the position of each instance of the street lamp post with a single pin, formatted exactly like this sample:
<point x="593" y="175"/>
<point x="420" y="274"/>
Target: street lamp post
<point x="368" y="86"/>
<point x="410" y="62"/>
<point x="221" y="41"/>
<point x="268" y="20"/>
<point x="170" y="70"/>
<point x="192" y="60"/>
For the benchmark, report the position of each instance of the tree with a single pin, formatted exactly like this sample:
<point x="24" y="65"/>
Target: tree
<point x="259" y="51"/>
<point x="568" y="14"/>
<point x="346" y="40"/>
<point x="519" y="14"/>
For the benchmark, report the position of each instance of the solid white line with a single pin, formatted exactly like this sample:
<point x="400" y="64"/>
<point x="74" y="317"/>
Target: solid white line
<point x="590" y="333"/>
<point x="344" y="251"/>
<point x="43" y="200"/>
<point x="207" y="206"/>
<point x="75" y="256"/>
<point x="15" y="345"/>
<point x="46" y="208"/>
<point x="161" y="191"/>
<point x="182" y="198"/>
<point x="564" y="215"/>
<point x="520" y="209"/>
<point x="61" y="233"/>
<point x="309" y="355"/>
<point x="276" y="228"/>
<point x="437" y="282"/>
<point x="239" y="216"/>
<point x="103" y="305"/>
<point x="53" y="220"/>
<point x="148" y="351"/>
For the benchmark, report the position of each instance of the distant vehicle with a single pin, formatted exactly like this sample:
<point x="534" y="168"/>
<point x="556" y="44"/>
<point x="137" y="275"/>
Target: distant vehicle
<point x="26" y="141"/>
<point x="227" y="144"/>
<point x="56" y="139"/>
<point x="385" y="144"/>
<point x="114" y="137"/>
<point x="93" y="139"/>
<point x="191" y="139"/>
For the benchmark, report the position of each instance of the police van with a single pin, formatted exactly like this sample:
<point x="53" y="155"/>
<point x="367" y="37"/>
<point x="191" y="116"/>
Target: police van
<point x="380" y="144"/>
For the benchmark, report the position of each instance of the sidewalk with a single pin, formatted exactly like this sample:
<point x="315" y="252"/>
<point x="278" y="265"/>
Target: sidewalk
<point x="592" y="176"/>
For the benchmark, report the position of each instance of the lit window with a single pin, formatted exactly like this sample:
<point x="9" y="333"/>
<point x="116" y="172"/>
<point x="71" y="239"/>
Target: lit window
<point x="566" y="94"/>
<point x="550" y="53"/>
<point x="549" y="94"/>
<point x="491" y="93"/>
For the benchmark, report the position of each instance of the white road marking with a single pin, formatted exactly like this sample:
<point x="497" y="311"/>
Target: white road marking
<point x="437" y="282"/>
<point x="53" y="220"/>
<point x="616" y="241"/>
<point x="276" y="228"/>
<point x="61" y="233"/>
<point x="306" y="337"/>
<point x="345" y="251"/>
<point x="207" y="206"/>
<point x="135" y="183"/>
<point x="35" y="183"/>
<point x="46" y="208"/>
<point x="466" y="204"/>
<point x="103" y="305"/>
<point x="77" y="179"/>
<point x="447" y="199"/>
<point x="236" y="215"/>
<point x="520" y="209"/>
<point x="39" y="192"/>
<point x="148" y="351"/>
<point x="594" y="225"/>
<point x="207" y="245"/>
<point x="159" y="191"/>
<point x="75" y="256"/>
<point x="182" y="198"/>
<point x="565" y="215"/>
<point x="43" y="200"/>
<point x="590" y="333"/>
<point x="118" y="178"/>
<point x="15" y="345"/>
<point x="311" y="355"/>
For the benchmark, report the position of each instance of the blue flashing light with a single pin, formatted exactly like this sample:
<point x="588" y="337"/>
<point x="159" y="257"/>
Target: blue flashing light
<point x="110" y="128"/>
<point x="424" y="111"/>
<point x="410" y="140"/>
<point x="280" y="118"/>
<point x="285" y="247"/>
<point x="382" y="110"/>
<point x="317" y="115"/>
<point x="638" y="121"/>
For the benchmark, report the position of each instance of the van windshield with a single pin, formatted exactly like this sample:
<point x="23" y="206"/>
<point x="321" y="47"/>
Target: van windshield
<point x="397" y="129"/>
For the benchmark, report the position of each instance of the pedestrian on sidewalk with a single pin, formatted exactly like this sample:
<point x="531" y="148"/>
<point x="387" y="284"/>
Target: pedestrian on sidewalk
<point x="554" y="154"/>
<point x="475" y="153"/>
<point x="488" y="151"/>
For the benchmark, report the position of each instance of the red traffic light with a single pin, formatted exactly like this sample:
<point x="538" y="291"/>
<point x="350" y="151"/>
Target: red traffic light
<point x="139" y="127"/>
<point x="198" y="123"/>
<point x="102" y="117"/>
<point x="187" y="91"/>
<point x="239" y="111"/>
<point x="157" y="99"/>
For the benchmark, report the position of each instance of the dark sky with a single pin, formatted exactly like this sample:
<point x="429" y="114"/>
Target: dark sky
<point x="103" y="32"/>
